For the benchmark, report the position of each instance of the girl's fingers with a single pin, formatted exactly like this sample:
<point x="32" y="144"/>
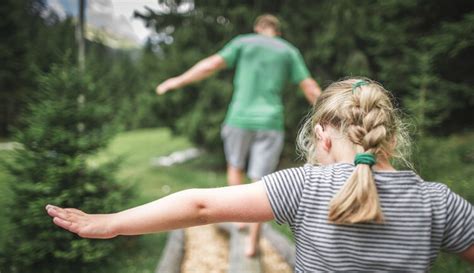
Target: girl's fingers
<point x="73" y="220"/>
<point x="62" y="223"/>
<point x="51" y="207"/>
<point x="64" y="214"/>
<point x="66" y="210"/>
<point x="60" y="213"/>
<point x="53" y="212"/>
<point x="75" y="211"/>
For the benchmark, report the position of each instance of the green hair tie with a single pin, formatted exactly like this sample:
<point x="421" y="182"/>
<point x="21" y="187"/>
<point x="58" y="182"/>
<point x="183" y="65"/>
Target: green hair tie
<point x="358" y="84"/>
<point x="364" y="158"/>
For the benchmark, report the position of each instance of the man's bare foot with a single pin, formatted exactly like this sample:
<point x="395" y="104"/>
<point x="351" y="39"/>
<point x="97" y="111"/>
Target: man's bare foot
<point x="242" y="226"/>
<point x="251" y="248"/>
<point x="96" y="226"/>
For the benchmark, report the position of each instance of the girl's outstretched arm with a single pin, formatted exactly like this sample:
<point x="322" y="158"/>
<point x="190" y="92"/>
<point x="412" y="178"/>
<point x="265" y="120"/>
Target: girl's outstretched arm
<point x="244" y="203"/>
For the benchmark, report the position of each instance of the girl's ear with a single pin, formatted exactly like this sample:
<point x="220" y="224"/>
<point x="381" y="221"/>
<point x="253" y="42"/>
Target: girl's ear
<point x="318" y="131"/>
<point x="323" y="136"/>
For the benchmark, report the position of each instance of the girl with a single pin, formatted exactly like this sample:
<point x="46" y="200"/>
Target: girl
<point x="353" y="211"/>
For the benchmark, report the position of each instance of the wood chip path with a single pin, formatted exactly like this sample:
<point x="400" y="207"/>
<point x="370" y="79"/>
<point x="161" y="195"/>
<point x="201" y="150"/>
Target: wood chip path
<point x="206" y="249"/>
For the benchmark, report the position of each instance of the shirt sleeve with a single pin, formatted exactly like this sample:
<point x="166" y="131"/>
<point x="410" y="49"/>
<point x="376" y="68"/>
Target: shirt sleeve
<point x="459" y="229"/>
<point x="230" y="52"/>
<point x="298" y="71"/>
<point x="284" y="190"/>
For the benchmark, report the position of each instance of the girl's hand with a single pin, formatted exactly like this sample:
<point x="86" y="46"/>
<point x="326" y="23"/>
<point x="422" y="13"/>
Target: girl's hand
<point x="98" y="226"/>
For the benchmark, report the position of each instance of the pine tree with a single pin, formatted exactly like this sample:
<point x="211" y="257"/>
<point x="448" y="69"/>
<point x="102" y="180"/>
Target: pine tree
<point x="60" y="133"/>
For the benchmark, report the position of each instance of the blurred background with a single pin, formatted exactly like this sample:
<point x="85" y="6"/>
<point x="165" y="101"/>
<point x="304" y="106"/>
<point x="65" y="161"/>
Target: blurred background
<point x="80" y="122"/>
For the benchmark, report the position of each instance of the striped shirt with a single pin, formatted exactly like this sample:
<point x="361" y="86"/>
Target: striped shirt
<point x="421" y="218"/>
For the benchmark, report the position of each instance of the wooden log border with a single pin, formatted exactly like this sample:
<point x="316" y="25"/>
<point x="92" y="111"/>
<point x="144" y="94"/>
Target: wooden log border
<point x="173" y="253"/>
<point x="282" y="245"/>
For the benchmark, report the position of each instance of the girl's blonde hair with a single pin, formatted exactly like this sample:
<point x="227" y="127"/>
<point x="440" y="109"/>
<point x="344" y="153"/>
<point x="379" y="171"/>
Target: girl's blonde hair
<point x="366" y="116"/>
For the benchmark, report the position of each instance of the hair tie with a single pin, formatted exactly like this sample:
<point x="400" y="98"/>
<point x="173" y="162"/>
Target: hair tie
<point x="358" y="84"/>
<point x="364" y="158"/>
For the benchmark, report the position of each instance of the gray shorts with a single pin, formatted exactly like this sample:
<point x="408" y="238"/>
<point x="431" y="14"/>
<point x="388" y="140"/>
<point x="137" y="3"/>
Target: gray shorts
<point x="262" y="148"/>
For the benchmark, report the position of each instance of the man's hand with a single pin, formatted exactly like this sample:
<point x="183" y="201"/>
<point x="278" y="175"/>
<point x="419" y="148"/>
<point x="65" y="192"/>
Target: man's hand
<point x="203" y="69"/>
<point x="311" y="90"/>
<point x="169" y="84"/>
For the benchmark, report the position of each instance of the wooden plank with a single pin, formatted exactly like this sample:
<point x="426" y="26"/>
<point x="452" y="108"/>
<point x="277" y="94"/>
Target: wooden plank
<point x="238" y="262"/>
<point x="172" y="257"/>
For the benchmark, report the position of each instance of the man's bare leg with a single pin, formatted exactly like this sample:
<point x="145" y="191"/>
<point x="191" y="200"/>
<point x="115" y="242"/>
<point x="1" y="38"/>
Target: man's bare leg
<point x="253" y="240"/>
<point x="235" y="176"/>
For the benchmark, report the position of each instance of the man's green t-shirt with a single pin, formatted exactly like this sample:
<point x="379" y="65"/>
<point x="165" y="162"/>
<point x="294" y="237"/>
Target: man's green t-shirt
<point x="263" y="66"/>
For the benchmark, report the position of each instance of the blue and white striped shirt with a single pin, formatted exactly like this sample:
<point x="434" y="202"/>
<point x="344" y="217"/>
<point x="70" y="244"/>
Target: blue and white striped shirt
<point x="421" y="218"/>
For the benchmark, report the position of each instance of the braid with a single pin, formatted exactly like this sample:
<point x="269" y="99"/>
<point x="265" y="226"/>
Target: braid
<point x="366" y="118"/>
<point x="363" y="112"/>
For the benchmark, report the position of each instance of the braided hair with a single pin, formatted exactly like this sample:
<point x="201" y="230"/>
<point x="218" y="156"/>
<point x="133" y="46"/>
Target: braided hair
<point x="362" y="110"/>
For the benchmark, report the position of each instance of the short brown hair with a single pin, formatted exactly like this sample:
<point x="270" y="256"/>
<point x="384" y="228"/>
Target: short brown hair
<point x="268" y="20"/>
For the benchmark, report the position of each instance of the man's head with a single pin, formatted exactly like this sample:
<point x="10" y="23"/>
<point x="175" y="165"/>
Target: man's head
<point x="267" y="24"/>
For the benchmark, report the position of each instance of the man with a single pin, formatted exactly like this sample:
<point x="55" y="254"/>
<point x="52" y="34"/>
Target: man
<point x="253" y="127"/>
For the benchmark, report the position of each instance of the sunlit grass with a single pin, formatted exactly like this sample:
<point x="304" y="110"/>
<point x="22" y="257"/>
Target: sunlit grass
<point x="137" y="149"/>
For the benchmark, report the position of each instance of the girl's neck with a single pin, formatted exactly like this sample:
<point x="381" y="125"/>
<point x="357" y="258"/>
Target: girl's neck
<point x="343" y="152"/>
<point x="383" y="165"/>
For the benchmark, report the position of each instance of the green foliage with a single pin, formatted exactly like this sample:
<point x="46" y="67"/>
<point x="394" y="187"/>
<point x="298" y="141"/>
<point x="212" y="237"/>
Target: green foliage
<point x="449" y="161"/>
<point x="421" y="50"/>
<point x="127" y="82"/>
<point x="5" y="199"/>
<point x="13" y="53"/>
<point x="31" y="42"/>
<point x="67" y="121"/>
<point x="33" y="39"/>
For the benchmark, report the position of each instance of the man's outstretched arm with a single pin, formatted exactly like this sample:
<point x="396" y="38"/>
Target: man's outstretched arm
<point x="201" y="70"/>
<point x="311" y="89"/>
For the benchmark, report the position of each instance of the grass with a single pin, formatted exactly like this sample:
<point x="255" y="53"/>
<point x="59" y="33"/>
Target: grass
<point x="136" y="150"/>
